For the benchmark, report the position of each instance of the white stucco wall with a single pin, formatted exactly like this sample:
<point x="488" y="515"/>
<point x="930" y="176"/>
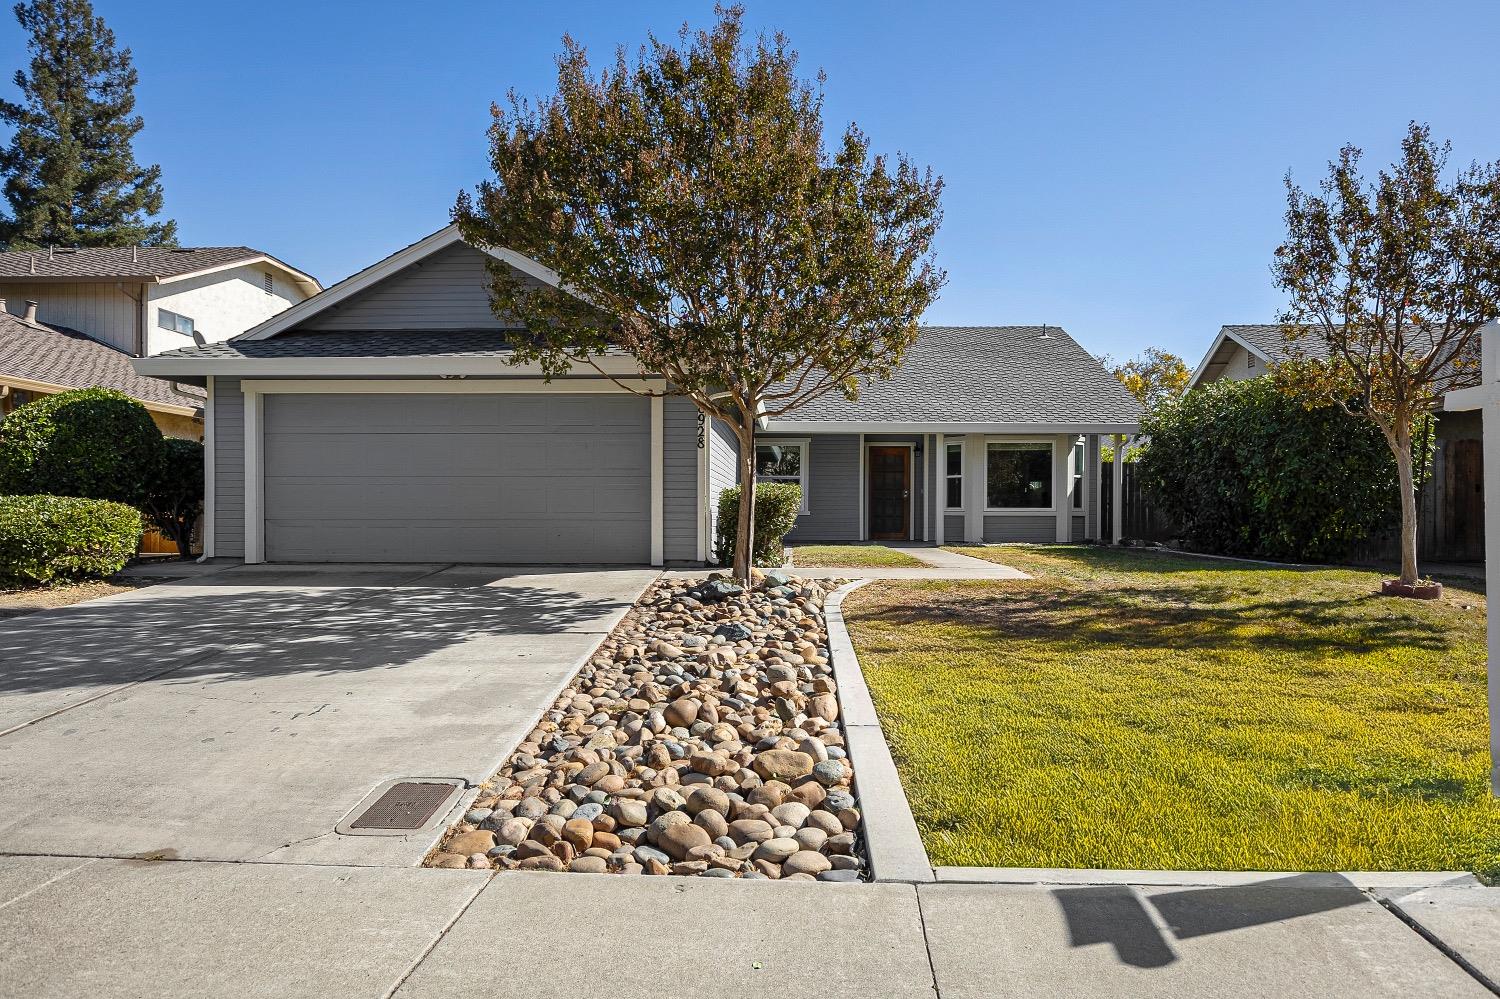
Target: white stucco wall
<point x="222" y="304"/>
<point x="1238" y="367"/>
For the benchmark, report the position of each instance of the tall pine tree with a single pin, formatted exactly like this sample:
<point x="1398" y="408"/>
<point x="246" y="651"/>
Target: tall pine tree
<point x="70" y="174"/>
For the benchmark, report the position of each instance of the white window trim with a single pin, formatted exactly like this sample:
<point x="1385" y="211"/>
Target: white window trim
<point x="805" y="464"/>
<point x="942" y="475"/>
<point x="1017" y="511"/>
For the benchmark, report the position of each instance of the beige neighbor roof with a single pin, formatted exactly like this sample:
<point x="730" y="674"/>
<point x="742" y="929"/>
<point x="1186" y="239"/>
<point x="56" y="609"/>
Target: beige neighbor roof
<point x="56" y="356"/>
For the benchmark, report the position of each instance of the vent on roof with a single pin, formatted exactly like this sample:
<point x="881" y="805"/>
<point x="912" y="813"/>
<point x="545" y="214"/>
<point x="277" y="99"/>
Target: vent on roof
<point x="182" y="249"/>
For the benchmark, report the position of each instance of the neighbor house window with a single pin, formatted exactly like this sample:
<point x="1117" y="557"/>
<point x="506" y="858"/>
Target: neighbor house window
<point x="953" y="476"/>
<point x="783" y="461"/>
<point x="1018" y="476"/>
<point x="174" y="322"/>
<point x="1078" y="463"/>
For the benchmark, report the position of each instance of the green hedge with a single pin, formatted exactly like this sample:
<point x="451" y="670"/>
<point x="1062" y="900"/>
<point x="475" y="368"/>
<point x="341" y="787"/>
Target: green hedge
<point x="776" y="506"/>
<point x="1245" y="469"/>
<point x="96" y="443"/>
<point x="46" y="539"/>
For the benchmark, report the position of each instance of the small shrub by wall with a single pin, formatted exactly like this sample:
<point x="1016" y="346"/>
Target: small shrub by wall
<point x="776" y="506"/>
<point x="94" y="443"/>
<point x="49" y="539"/>
<point x="1246" y="469"/>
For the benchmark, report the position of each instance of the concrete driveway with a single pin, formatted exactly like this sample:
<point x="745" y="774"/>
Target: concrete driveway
<point x="239" y="716"/>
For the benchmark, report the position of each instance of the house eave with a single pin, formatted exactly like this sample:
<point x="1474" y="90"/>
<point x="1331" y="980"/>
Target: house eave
<point x="162" y="366"/>
<point x="779" y="426"/>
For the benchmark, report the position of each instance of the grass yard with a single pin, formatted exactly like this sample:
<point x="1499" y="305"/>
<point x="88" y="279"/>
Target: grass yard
<point x="852" y="556"/>
<point x="1131" y="710"/>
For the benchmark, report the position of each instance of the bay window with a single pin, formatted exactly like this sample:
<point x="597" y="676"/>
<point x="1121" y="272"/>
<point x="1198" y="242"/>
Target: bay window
<point x="1018" y="475"/>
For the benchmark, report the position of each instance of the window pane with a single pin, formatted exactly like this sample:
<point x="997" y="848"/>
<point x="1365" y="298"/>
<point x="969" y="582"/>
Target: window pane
<point x="1019" y="475"/>
<point x="166" y="320"/>
<point x="1078" y="457"/>
<point x="955" y="498"/>
<point x="955" y="459"/>
<point x="778" y="460"/>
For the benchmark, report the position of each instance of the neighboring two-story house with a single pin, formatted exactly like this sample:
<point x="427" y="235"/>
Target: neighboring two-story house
<point x="1451" y="507"/>
<point x="72" y="318"/>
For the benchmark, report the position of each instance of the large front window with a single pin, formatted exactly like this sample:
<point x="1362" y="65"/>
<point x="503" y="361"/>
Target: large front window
<point x="783" y="461"/>
<point x="1018" y="476"/>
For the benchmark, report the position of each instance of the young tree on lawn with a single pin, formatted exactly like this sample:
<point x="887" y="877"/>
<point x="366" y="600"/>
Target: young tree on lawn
<point x="697" y="222"/>
<point x="1155" y="377"/>
<point x="1396" y="277"/>
<point x="70" y="174"/>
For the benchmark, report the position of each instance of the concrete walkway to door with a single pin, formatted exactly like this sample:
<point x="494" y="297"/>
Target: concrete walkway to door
<point x="238" y="716"/>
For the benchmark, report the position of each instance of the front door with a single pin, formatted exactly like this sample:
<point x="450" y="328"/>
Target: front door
<point x="890" y="493"/>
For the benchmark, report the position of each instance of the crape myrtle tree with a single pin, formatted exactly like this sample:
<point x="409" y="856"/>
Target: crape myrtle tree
<point x="1155" y="377"/>
<point x="697" y="222"/>
<point x="70" y="173"/>
<point x="1395" y="276"/>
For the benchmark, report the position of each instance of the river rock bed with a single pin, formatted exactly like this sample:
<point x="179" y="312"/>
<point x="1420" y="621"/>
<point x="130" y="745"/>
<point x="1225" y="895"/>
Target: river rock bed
<point x="701" y="738"/>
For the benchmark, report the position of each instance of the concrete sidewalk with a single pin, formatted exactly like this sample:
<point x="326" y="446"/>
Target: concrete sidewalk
<point x="106" y="928"/>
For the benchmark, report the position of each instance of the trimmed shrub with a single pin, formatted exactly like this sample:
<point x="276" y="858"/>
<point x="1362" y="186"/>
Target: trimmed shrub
<point x="94" y="443"/>
<point x="1246" y="469"/>
<point x="46" y="539"/>
<point x="174" y="500"/>
<point x="776" y="506"/>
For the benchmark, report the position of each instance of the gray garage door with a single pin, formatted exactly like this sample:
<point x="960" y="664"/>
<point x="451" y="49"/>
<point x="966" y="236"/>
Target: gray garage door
<point x="457" y="478"/>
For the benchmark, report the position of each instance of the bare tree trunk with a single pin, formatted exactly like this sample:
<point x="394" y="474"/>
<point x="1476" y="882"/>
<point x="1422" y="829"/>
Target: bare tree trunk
<point x="1401" y="446"/>
<point x="744" y="544"/>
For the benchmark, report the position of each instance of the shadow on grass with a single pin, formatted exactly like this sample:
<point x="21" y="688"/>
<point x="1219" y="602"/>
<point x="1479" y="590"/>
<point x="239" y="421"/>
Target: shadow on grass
<point x="1174" y="616"/>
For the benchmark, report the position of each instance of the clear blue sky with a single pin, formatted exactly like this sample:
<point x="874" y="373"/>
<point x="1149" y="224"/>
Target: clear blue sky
<point x="1114" y="168"/>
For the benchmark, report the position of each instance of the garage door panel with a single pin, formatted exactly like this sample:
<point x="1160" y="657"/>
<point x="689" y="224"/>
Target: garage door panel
<point x="473" y="478"/>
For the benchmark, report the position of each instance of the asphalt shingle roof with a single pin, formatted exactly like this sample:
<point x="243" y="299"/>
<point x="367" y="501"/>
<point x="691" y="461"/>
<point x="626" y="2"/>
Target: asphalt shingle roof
<point x="986" y="374"/>
<point x="123" y="262"/>
<point x="58" y="355"/>
<point x="358" y="343"/>
<point x="1269" y="340"/>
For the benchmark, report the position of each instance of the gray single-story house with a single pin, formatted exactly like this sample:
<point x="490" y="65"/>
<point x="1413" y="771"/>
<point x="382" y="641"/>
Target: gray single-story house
<point x="379" y="421"/>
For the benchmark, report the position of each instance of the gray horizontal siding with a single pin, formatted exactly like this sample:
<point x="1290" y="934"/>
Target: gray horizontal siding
<point x="1039" y="528"/>
<point x="448" y="290"/>
<point x="953" y="528"/>
<point x="229" y="468"/>
<point x="723" y="472"/>
<point x="1080" y="529"/>
<point x="832" y="489"/>
<point x="680" y="480"/>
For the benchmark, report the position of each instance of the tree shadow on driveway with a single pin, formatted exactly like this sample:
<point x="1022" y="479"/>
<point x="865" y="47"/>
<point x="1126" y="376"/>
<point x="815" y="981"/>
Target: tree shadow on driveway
<point x="235" y="626"/>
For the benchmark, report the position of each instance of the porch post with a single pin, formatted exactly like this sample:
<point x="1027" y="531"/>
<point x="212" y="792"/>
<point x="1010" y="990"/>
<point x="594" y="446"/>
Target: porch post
<point x="1117" y="506"/>
<point x="974" y="489"/>
<point x="939" y="498"/>
<point x="1062" y="489"/>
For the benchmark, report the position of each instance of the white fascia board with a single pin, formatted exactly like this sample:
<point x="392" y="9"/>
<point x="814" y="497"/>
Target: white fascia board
<point x="162" y="366"/>
<point x="450" y="386"/>
<point x="297" y="276"/>
<point x="353" y="284"/>
<point x="401" y="259"/>
<point x="870" y="427"/>
<point x="1468" y="399"/>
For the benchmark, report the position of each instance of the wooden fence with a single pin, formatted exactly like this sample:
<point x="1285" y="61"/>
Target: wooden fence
<point x="1142" y="521"/>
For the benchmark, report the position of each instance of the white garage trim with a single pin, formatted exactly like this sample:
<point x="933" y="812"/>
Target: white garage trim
<point x="255" y="543"/>
<point x="209" y="469"/>
<point x="658" y="479"/>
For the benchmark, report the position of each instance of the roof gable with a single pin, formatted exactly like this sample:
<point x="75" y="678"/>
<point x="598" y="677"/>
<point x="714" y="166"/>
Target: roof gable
<point x="135" y="263"/>
<point x="439" y="270"/>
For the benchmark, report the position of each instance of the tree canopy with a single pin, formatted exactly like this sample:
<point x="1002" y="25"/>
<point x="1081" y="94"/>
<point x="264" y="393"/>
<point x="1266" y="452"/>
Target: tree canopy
<point x="71" y="177"/>
<point x="1155" y="377"/>
<point x="1395" y="276"/>
<point x="697" y="222"/>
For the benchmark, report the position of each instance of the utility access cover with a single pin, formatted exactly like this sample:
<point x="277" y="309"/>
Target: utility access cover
<point x="406" y="805"/>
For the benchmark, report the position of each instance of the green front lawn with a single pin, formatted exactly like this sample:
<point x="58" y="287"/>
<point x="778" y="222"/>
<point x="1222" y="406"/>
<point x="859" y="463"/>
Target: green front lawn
<point x="852" y="556"/>
<point x="1131" y="710"/>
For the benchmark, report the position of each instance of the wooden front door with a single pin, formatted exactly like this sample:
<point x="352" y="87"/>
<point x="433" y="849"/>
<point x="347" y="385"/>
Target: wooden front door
<point x="1463" y="520"/>
<point x="890" y="493"/>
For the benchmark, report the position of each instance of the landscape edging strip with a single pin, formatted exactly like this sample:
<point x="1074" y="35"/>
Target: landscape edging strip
<point x="892" y="840"/>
